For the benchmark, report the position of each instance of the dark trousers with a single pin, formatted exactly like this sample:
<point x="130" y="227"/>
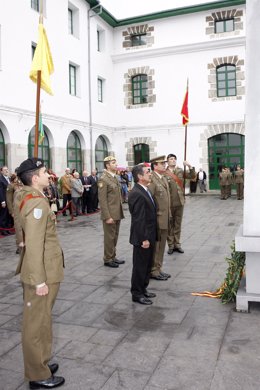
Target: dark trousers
<point x="93" y="201"/>
<point x="86" y="202"/>
<point x="66" y="199"/>
<point x="142" y="265"/>
<point x="76" y="206"/>
<point x="6" y="220"/>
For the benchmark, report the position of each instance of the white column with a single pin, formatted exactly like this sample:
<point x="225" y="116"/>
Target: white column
<point x="248" y="237"/>
<point x="251" y="225"/>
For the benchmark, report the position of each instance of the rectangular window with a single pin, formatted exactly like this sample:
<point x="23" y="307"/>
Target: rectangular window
<point x="100" y="90"/>
<point x="140" y="89"/>
<point x="138" y="39"/>
<point x="73" y="20"/>
<point x="35" y="5"/>
<point x="70" y="21"/>
<point x="98" y="40"/>
<point x="224" y="25"/>
<point x="72" y="80"/>
<point x="226" y="80"/>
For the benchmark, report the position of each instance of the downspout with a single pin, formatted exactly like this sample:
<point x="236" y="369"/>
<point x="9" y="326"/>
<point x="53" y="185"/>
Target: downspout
<point x="89" y="85"/>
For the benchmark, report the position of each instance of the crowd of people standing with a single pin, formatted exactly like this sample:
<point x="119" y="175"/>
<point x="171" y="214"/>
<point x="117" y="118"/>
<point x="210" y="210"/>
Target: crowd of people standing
<point x="30" y="200"/>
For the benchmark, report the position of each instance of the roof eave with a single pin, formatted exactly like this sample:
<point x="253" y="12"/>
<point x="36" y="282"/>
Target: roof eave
<point x="113" y="22"/>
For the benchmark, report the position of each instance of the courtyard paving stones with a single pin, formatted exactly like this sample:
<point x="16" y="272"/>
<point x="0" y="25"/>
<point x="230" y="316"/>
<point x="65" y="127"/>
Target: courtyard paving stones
<point x="104" y="341"/>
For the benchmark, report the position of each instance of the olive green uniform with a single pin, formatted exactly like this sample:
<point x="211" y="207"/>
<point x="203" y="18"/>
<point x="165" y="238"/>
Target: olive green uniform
<point x="110" y="201"/>
<point x="160" y="191"/>
<point x="13" y="197"/>
<point x="177" y="203"/>
<point x="41" y="261"/>
<point x="239" y="182"/>
<point x="223" y="182"/>
<point x="229" y="183"/>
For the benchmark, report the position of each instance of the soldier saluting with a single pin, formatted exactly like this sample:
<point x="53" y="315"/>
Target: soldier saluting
<point x="41" y="268"/>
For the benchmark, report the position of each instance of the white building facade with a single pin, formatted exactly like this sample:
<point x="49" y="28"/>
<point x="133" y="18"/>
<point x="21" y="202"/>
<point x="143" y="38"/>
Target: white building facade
<point x="119" y="84"/>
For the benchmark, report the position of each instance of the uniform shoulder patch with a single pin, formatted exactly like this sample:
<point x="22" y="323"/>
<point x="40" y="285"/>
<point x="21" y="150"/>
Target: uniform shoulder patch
<point x="100" y="184"/>
<point x="37" y="213"/>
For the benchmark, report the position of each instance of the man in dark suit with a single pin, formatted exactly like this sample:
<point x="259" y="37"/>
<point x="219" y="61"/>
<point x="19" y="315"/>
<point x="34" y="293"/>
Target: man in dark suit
<point x="93" y="191"/>
<point x="142" y="234"/>
<point x="86" y="193"/>
<point x="5" y="217"/>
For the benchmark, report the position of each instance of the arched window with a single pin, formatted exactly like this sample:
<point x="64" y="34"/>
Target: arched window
<point x="101" y="152"/>
<point x="141" y="153"/>
<point x="43" y="149"/>
<point x="74" y="154"/>
<point x="140" y="89"/>
<point x="226" y="80"/>
<point x="2" y="149"/>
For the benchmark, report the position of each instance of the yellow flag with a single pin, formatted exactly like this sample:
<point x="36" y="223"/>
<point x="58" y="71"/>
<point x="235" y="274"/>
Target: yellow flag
<point x="42" y="60"/>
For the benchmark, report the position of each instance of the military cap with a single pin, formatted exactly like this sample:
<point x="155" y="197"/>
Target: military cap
<point x="109" y="158"/>
<point x="159" y="159"/>
<point x="31" y="164"/>
<point x="171" y="155"/>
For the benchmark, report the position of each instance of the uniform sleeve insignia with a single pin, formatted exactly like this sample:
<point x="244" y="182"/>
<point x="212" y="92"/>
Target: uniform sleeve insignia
<point x="100" y="185"/>
<point x="37" y="213"/>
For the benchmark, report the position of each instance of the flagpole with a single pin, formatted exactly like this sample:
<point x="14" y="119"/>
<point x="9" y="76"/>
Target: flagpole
<point x="185" y="154"/>
<point x="38" y="95"/>
<point x="186" y="118"/>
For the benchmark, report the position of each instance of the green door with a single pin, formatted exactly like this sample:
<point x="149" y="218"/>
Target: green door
<point x="224" y="150"/>
<point x="141" y="153"/>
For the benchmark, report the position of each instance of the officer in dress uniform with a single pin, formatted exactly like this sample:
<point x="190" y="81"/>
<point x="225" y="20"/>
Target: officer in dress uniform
<point x="175" y="178"/>
<point x="41" y="268"/>
<point x="110" y="201"/>
<point x="223" y="182"/>
<point x="160" y="192"/>
<point x="239" y="182"/>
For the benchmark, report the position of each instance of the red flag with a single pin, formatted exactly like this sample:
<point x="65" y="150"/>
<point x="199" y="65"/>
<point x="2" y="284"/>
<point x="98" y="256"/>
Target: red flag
<point x="184" y="110"/>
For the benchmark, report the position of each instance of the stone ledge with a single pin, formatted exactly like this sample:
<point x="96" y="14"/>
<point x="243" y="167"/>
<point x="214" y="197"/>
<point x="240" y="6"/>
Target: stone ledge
<point x="246" y="243"/>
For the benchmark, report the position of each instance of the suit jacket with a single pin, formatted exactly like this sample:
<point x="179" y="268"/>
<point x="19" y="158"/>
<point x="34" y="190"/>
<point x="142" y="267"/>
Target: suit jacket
<point x="42" y="257"/>
<point x="109" y="195"/>
<point x="144" y="218"/>
<point x="160" y="191"/>
<point x="94" y="184"/>
<point x="65" y="184"/>
<point x="176" y="192"/>
<point x="76" y="188"/>
<point x="85" y="181"/>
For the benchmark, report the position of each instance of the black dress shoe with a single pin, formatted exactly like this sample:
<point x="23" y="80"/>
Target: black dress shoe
<point x="50" y="383"/>
<point x="142" y="300"/>
<point x="179" y="249"/>
<point x="148" y="294"/>
<point x="53" y="368"/>
<point x="4" y="233"/>
<point x="158" y="277"/>
<point x="170" y="251"/>
<point x="117" y="261"/>
<point x="165" y="275"/>
<point x="111" y="264"/>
